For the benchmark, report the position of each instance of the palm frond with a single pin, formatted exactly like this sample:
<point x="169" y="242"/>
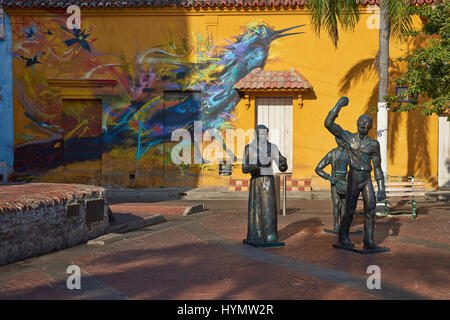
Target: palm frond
<point x="399" y="18"/>
<point x="332" y="15"/>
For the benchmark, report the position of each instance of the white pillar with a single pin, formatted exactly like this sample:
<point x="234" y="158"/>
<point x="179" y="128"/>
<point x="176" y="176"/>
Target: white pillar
<point x="382" y="131"/>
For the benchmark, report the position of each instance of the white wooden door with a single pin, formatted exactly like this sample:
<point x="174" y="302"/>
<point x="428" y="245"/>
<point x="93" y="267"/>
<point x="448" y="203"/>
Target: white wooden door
<point x="276" y="114"/>
<point x="444" y="152"/>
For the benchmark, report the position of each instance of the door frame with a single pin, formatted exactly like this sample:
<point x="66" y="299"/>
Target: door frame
<point x="84" y="89"/>
<point x="291" y="162"/>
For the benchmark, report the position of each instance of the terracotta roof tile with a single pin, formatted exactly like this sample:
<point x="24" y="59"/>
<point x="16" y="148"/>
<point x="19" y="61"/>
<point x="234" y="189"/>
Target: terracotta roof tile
<point x="261" y="79"/>
<point x="162" y="3"/>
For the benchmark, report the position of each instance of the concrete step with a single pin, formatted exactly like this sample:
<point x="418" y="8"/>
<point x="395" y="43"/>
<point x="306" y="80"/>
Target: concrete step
<point x="137" y="224"/>
<point x="118" y="231"/>
<point x="167" y="209"/>
<point x="143" y="195"/>
<point x="222" y="193"/>
<point x="243" y="195"/>
<point x="439" y="195"/>
<point x="129" y="217"/>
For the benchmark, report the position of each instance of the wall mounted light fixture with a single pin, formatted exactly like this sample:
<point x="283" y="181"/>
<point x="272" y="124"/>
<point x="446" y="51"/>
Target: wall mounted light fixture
<point x="401" y="92"/>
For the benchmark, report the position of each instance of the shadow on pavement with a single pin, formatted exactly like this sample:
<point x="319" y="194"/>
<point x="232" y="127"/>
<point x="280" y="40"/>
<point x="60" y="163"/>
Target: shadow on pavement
<point x="296" y="227"/>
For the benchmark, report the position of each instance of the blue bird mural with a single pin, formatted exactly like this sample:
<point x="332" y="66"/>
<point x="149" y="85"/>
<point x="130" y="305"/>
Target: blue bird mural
<point x="218" y="97"/>
<point x="80" y="37"/>
<point x="30" y="31"/>
<point x="30" y="62"/>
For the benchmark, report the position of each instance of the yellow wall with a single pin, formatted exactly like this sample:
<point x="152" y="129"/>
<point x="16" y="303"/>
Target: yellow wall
<point x="347" y="70"/>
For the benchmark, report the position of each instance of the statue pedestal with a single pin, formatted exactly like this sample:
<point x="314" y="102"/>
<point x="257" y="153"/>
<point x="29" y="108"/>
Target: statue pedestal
<point x="361" y="251"/>
<point x="263" y="244"/>
<point x="332" y="231"/>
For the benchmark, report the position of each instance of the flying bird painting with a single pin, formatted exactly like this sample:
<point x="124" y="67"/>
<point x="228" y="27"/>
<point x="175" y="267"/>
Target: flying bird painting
<point x="30" y="62"/>
<point x="80" y="37"/>
<point x="218" y="97"/>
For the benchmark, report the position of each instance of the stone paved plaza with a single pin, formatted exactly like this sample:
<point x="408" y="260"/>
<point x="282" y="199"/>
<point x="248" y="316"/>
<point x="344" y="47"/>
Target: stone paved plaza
<point x="201" y="256"/>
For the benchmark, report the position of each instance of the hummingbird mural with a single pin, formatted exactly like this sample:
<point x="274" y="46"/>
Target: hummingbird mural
<point x="218" y="97"/>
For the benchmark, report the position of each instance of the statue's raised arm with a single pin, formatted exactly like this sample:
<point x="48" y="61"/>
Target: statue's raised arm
<point x="333" y="127"/>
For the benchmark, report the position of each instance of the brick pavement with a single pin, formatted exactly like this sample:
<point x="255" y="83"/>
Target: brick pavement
<point x="411" y="266"/>
<point x="34" y="285"/>
<point x="202" y="257"/>
<point x="176" y="265"/>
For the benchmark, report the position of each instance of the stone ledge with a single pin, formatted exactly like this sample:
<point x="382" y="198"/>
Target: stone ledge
<point x="32" y="196"/>
<point x="38" y="218"/>
<point x="106" y="239"/>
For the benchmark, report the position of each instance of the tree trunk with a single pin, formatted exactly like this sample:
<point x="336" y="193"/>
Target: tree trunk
<point x="383" y="73"/>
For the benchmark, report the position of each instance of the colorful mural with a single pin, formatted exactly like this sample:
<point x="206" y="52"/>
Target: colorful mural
<point x="141" y="114"/>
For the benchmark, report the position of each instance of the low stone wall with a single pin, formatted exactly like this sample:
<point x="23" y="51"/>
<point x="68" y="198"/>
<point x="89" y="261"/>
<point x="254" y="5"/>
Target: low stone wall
<point x="38" y="218"/>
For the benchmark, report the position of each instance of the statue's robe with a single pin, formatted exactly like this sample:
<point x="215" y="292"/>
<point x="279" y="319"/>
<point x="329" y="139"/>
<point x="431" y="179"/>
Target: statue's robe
<point x="262" y="207"/>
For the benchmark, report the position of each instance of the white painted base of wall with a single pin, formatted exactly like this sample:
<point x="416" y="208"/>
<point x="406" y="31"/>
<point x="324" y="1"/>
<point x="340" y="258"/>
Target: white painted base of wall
<point x="444" y="152"/>
<point x="382" y="134"/>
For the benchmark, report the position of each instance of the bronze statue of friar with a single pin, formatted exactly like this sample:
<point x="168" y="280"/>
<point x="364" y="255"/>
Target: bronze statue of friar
<point x="362" y="151"/>
<point x="262" y="208"/>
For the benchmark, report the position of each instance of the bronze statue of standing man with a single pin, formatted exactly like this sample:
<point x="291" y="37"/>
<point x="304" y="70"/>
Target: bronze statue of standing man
<point x="262" y="207"/>
<point x="362" y="151"/>
<point x="339" y="160"/>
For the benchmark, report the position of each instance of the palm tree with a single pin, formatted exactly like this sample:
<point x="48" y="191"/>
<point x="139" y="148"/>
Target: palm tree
<point x="330" y="14"/>
<point x="394" y="20"/>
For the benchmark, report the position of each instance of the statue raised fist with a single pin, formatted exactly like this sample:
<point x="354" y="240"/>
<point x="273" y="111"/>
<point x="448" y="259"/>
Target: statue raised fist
<point x="343" y="101"/>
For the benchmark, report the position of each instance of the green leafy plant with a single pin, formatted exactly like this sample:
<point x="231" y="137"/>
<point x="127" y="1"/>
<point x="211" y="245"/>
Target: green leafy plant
<point x="427" y="76"/>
